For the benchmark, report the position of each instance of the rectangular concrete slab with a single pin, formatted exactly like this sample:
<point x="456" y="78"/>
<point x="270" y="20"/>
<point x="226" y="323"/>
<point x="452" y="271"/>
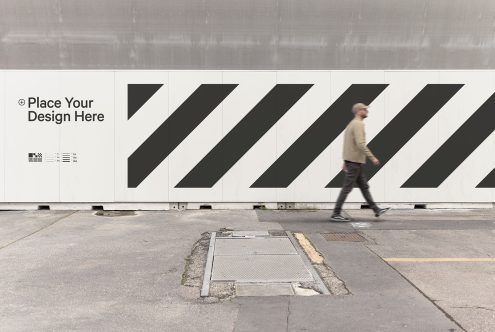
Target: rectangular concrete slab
<point x="262" y="314"/>
<point x="254" y="246"/>
<point x="260" y="268"/>
<point x="264" y="289"/>
<point x="249" y="233"/>
<point x="366" y="312"/>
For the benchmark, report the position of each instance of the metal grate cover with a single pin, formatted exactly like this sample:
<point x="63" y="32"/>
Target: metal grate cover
<point x="260" y="268"/>
<point x="254" y="246"/>
<point x="349" y="237"/>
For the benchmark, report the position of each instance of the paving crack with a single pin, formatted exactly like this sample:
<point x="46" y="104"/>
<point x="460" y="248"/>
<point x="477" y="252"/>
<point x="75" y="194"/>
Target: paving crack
<point x="38" y="230"/>
<point x="288" y="315"/>
<point x="419" y="290"/>
<point x="474" y="307"/>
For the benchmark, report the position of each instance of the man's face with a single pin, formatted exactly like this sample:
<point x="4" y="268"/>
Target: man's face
<point x="363" y="112"/>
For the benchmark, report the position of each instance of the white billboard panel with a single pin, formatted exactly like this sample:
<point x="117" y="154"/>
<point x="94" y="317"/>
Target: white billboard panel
<point x="243" y="136"/>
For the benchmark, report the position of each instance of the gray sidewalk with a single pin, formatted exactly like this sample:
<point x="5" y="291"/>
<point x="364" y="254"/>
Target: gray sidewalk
<point x="66" y="270"/>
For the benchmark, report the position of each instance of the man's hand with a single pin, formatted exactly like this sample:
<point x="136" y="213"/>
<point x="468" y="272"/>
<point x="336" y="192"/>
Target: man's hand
<point x="344" y="168"/>
<point x="375" y="161"/>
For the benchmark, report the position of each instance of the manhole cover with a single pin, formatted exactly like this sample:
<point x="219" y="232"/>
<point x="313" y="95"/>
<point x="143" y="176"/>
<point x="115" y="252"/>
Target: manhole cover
<point x="350" y="237"/>
<point x="115" y="213"/>
<point x="258" y="257"/>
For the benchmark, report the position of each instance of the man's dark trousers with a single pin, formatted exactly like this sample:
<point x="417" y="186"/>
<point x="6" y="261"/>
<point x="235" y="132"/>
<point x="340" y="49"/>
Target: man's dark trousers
<point x="354" y="175"/>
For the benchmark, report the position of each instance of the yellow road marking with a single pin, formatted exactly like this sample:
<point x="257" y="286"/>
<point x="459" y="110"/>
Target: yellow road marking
<point x="313" y="255"/>
<point x="436" y="260"/>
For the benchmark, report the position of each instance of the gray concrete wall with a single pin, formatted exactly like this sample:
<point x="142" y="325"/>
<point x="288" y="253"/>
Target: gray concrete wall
<point x="254" y="34"/>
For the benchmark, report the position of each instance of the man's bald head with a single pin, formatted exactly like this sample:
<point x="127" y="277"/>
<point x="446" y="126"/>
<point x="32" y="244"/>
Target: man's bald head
<point x="359" y="106"/>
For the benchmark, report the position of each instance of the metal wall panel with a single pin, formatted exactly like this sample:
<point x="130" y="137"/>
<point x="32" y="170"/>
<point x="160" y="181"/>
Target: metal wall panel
<point x="131" y="133"/>
<point x="479" y="86"/>
<point x="2" y="137"/>
<point x="301" y="116"/>
<point x="88" y="176"/>
<point x="341" y="80"/>
<point x="199" y="142"/>
<point x="28" y="181"/>
<point x="253" y="86"/>
<point x="403" y="87"/>
<point x="248" y="35"/>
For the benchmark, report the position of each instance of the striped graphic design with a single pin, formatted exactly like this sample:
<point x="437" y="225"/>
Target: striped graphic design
<point x="174" y="130"/>
<point x="316" y="138"/>
<point x="306" y="148"/>
<point x="404" y="126"/>
<point x="456" y="149"/>
<point x="243" y="136"/>
<point x="488" y="181"/>
<point x="138" y="95"/>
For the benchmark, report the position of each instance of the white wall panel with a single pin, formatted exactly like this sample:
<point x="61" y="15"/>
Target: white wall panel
<point x="309" y="186"/>
<point x="341" y="80"/>
<point x="89" y="143"/>
<point x="31" y="181"/>
<point x="460" y="186"/>
<point x="403" y="87"/>
<point x="253" y="86"/>
<point x="131" y="133"/>
<point x="2" y="138"/>
<point x="199" y="142"/>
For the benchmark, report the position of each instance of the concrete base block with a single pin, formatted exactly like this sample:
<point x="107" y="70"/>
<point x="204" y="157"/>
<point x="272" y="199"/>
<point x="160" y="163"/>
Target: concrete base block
<point x="263" y="289"/>
<point x="231" y="205"/>
<point x="19" y="206"/>
<point x="314" y="206"/>
<point x="155" y="206"/>
<point x="456" y="205"/>
<point x="137" y="206"/>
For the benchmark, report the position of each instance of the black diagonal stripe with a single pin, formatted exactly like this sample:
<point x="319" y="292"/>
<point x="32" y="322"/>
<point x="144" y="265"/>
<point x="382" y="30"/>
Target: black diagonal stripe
<point x="244" y="135"/>
<point x="317" y="137"/>
<point x="456" y="149"/>
<point x="174" y="130"/>
<point x="138" y="94"/>
<point x="404" y="126"/>
<point x="489" y="181"/>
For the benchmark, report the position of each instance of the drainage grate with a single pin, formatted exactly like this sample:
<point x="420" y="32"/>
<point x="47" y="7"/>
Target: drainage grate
<point x="277" y="233"/>
<point x="258" y="257"/>
<point x="260" y="268"/>
<point x="349" y="237"/>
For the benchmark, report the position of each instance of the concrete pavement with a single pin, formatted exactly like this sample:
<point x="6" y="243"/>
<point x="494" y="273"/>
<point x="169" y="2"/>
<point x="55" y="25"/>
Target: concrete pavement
<point x="73" y="270"/>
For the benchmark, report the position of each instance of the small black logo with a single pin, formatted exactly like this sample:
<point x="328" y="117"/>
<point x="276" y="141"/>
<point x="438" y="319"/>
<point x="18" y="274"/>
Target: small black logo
<point x="35" y="157"/>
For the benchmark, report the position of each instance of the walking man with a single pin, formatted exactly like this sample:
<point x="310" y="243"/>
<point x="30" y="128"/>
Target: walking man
<point x="354" y="154"/>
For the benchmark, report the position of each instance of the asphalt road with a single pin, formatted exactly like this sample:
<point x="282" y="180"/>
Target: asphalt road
<point x="418" y="270"/>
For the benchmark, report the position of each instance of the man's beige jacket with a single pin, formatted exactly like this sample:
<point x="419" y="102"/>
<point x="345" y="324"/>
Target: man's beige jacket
<point x="355" y="148"/>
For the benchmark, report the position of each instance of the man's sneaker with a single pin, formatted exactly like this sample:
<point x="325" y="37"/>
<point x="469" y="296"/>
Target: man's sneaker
<point x="379" y="212"/>
<point x="340" y="218"/>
